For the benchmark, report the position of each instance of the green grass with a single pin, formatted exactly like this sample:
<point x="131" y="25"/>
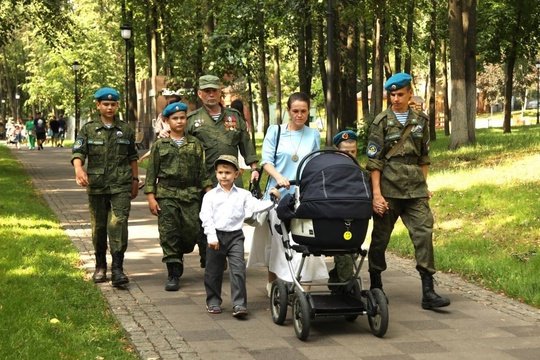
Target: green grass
<point x="47" y="309"/>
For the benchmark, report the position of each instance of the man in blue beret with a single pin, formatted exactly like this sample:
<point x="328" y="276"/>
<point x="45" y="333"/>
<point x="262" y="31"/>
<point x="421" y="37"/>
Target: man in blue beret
<point x="107" y="147"/>
<point x="175" y="178"/>
<point x="398" y="158"/>
<point x="222" y="131"/>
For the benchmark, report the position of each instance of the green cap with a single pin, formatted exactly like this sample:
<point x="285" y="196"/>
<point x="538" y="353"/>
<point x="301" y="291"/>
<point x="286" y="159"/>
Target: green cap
<point x="209" y="82"/>
<point x="227" y="159"/>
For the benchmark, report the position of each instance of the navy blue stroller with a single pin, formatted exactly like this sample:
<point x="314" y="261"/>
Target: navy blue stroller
<point x="328" y="215"/>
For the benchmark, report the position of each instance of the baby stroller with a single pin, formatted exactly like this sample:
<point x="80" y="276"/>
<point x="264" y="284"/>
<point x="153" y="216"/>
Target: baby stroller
<point x="328" y="215"/>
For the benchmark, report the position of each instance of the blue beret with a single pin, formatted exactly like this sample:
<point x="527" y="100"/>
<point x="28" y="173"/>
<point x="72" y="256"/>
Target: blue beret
<point x="107" y="93"/>
<point x="174" y="107"/>
<point x="397" y="81"/>
<point x="344" y="135"/>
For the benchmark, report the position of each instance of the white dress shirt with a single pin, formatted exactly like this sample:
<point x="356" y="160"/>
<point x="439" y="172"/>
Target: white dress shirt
<point x="226" y="210"/>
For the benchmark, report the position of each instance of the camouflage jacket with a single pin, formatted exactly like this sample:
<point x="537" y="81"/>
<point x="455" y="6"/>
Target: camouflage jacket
<point x="107" y="153"/>
<point x="225" y="136"/>
<point x="401" y="174"/>
<point x="177" y="171"/>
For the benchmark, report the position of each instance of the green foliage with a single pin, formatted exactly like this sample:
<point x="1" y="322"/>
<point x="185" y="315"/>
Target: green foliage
<point x="47" y="309"/>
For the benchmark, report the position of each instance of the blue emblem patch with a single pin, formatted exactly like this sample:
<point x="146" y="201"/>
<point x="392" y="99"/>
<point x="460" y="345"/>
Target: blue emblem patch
<point x="78" y="144"/>
<point x="372" y="150"/>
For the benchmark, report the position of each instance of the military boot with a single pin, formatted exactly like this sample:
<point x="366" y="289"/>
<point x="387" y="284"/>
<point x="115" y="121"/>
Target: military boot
<point x="173" y="281"/>
<point x="118" y="277"/>
<point x="100" y="273"/>
<point x="430" y="299"/>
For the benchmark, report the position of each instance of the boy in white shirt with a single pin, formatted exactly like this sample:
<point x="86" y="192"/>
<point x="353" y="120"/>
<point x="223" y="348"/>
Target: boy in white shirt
<point x="223" y="211"/>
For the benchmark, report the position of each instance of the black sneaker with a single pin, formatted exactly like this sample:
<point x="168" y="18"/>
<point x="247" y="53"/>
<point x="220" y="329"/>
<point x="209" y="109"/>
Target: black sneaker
<point x="239" y="312"/>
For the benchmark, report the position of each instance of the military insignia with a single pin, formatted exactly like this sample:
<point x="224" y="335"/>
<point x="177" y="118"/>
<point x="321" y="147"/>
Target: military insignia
<point x="78" y="144"/>
<point x="119" y="133"/>
<point x="393" y="87"/>
<point x="230" y="123"/>
<point x="417" y="129"/>
<point x="198" y="122"/>
<point x="372" y="150"/>
<point x="347" y="235"/>
<point x="109" y="97"/>
<point x="99" y="133"/>
<point x="345" y="136"/>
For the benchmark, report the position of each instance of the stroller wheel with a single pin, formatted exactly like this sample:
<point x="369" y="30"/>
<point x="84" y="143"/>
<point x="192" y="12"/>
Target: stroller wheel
<point x="301" y="316"/>
<point x="378" y="313"/>
<point x="279" y="296"/>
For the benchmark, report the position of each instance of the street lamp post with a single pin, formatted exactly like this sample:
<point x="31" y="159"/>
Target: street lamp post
<point x="76" y="66"/>
<point x="17" y="97"/>
<point x="537" y="91"/>
<point x="125" y="32"/>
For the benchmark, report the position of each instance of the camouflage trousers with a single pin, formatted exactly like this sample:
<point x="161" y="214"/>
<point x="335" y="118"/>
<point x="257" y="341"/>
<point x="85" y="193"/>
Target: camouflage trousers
<point x="418" y="219"/>
<point x="109" y="215"/>
<point x="178" y="224"/>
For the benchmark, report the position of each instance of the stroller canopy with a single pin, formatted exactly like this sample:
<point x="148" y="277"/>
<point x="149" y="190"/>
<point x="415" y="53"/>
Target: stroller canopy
<point x="332" y="186"/>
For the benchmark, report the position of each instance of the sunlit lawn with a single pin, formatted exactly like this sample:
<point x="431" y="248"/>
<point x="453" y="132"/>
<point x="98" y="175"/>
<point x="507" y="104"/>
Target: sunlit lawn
<point x="47" y="309"/>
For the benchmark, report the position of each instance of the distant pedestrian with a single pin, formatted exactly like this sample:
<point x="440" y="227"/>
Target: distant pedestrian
<point x="30" y="128"/>
<point x="223" y="211"/>
<point x="40" y="125"/>
<point x="175" y="177"/>
<point x="62" y="128"/>
<point x="107" y="145"/>
<point x="54" y="127"/>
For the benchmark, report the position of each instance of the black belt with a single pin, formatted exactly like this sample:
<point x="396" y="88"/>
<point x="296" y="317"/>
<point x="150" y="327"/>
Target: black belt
<point x="174" y="183"/>
<point x="411" y="160"/>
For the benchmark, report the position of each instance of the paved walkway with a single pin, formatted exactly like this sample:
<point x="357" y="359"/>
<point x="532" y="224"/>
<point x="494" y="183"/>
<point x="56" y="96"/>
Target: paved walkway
<point x="175" y="325"/>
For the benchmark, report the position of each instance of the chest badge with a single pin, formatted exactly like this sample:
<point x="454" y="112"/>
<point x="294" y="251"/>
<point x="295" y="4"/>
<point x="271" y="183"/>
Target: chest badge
<point x="230" y="123"/>
<point x="198" y="122"/>
<point x="119" y="133"/>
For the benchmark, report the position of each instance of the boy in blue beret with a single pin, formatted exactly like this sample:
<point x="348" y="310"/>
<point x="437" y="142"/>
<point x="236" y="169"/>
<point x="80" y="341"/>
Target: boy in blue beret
<point x="398" y="159"/>
<point x="175" y="177"/>
<point x="111" y="177"/>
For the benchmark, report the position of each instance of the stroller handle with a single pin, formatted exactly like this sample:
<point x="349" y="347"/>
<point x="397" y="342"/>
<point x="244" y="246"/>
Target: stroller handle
<point x="291" y="182"/>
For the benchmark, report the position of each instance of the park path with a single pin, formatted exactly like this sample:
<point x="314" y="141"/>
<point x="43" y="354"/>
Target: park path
<point x="175" y="325"/>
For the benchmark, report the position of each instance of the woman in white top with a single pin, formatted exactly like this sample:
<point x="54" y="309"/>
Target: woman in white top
<point x="280" y="158"/>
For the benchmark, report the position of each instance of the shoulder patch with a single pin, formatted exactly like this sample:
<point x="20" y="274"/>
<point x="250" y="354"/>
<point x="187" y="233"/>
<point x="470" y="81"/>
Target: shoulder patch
<point x="78" y="144"/>
<point x="372" y="149"/>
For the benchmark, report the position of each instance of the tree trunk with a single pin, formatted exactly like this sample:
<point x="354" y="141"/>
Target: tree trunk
<point x="446" y="105"/>
<point x="132" y="96"/>
<point x="432" y="70"/>
<point x="263" y="85"/>
<point x="363" y="59"/>
<point x="378" y="58"/>
<point x="305" y="50"/>
<point x="469" y="26"/>
<point x="277" y="77"/>
<point x="409" y="36"/>
<point x="332" y="64"/>
<point x="459" y="136"/>
<point x="349" y="63"/>
<point x="396" y="27"/>
<point x="508" y="81"/>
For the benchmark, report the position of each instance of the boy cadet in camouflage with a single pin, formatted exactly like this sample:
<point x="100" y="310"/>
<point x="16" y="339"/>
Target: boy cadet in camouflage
<point x="398" y="147"/>
<point x="175" y="177"/>
<point x="107" y="145"/>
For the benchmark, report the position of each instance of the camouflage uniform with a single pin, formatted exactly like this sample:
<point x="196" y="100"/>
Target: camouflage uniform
<point x="109" y="152"/>
<point x="177" y="175"/>
<point x="225" y="136"/>
<point x="403" y="185"/>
